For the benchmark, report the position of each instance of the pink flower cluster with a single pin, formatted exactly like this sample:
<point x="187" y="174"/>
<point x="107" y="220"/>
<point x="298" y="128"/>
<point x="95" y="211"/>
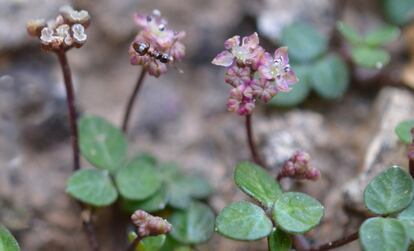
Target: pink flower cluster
<point x="253" y="73"/>
<point x="155" y="45"/>
<point x="298" y="167"/>
<point x="149" y="225"/>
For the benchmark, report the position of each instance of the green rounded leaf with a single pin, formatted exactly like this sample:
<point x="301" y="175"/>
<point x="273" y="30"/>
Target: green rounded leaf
<point x="173" y="245"/>
<point x="154" y="203"/>
<point x="101" y="143"/>
<point x="138" y="180"/>
<point x="389" y="192"/>
<point x="380" y="234"/>
<point x="382" y="36"/>
<point x="330" y="77"/>
<point x="398" y="11"/>
<point x="279" y="241"/>
<point x="194" y="225"/>
<point x="147" y="158"/>
<point x="181" y="189"/>
<point x="349" y="33"/>
<point x="304" y="41"/>
<point x="7" y="241"/>
<point x="151" y="243"/>
<point x="243" y="221"/>
<point x="299" y="91"/>
<point x="198" y="186"/>
<point x="407" y="218"/>
<point x="297" y="212"/>
<point x="370" y="57"/>
<point x="403" y="131"/>
<point x="257" y="183"/>
<point x="93" y="187"/>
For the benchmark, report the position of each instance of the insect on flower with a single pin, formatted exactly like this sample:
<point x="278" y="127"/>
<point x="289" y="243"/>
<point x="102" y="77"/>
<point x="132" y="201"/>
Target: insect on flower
<point x="144" y="48"/>
<point x="156" y="45"/>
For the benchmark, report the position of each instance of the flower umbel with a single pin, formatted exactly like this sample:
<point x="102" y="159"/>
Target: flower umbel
<point x="149" y="225"/>
<point x="156" y="45"/>
<point x="63" y="33"/>
<point x="253" y="73"/>
<point x="298" y="167"/>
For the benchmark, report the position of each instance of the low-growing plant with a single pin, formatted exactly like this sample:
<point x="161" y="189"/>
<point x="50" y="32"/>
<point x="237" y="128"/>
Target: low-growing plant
<point x="281" y="216"/>
<point x="367" y="51"/>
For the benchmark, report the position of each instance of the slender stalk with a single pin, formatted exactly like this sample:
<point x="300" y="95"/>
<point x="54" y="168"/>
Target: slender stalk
<point x="411" y="155"/>
<point x="90" y="234"/>
<point x="70" y="96"/>
<point x="300" y="243"/>
<point x="337" y="243"/>
<point x="134" y="244"/>
<point x="132" y="100"/>
<point x="250" y="140"/>
<point x="411" y="167"/>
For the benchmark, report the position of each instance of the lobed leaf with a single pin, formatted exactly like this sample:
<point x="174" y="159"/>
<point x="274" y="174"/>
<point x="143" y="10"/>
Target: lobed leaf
<point x="382" y="36"/>
<point x="407" y="218"/>
<point x="243" y="221"/>
<point x="279" y="241"/>
<point x="304" y="41"/>
<point x="389" y="192"/>
<point x="330" y="77"/>
<point x="101" y="143"/>
<point x="368" y="57"/>
<point x="383" y="234"/>
<point x="154" y="203"/>
<point x="93" y="187"/>
<point x="194" y="225"/>
<point x="349" y="33"/>
<point x="257" y="183"/>
<point x="138" y="180"/>
<point x="403" y="131"/>
<point x="7" y="241"/>
<point x="297" y="212"/>
<point x="399" y="12"/>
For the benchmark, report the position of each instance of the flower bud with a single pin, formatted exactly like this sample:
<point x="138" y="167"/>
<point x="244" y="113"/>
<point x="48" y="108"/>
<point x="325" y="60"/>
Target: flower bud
<point x="149" y="225"/>
<point x="35" y="26"/>
<point x="298" y="167"/>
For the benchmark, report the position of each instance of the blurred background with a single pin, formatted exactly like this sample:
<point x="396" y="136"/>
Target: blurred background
<point x="353" y="92"/>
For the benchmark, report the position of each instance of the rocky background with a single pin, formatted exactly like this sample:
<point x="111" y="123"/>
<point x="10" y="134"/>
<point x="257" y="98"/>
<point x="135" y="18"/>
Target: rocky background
<point x="182" y="117"/>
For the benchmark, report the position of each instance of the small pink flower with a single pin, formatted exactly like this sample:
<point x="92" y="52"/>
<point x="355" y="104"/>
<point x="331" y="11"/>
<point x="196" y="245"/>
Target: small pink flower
<point x="241" y="99"/>
<point x="237" y="75"/>
<point x="277" y="69"/>
<point x="246" y="52"/>
<point x="264" y="90"/>
<point x="161" y="41"/>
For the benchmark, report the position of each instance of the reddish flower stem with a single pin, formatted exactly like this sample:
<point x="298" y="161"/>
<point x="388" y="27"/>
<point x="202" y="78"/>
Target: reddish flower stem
<point x="132" y="100"/>
<point x="300" y="243"/>
<point x="337" y="243"/>
<point x="134" y="244"/>
<point x="250" y="140"/>
<point x="89" y="229"/>
<point x="410" y="155"/>
<point x="70" y="96"/>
